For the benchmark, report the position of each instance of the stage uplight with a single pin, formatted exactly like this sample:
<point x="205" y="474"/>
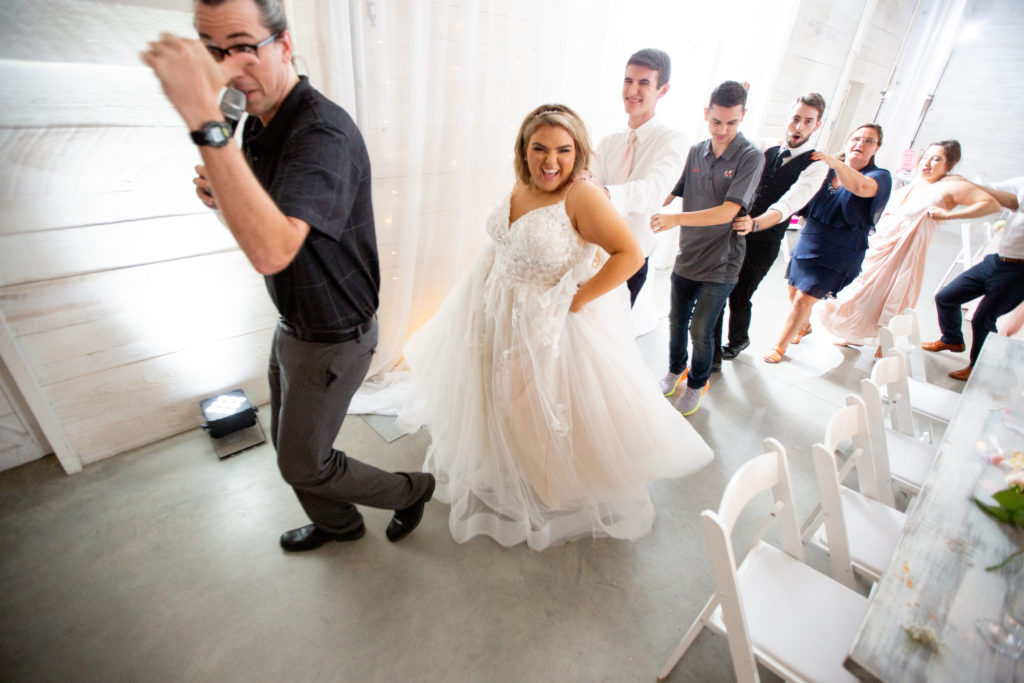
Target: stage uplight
<point x="231" y="421"/>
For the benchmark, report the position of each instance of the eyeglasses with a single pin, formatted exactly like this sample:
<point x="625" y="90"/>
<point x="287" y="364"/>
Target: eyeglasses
<point x="866" y="141"/>
<point x="220" y="53"/>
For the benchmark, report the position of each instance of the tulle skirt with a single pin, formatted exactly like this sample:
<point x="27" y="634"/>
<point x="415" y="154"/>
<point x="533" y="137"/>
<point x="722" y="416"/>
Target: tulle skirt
<point x="545" y="425"/>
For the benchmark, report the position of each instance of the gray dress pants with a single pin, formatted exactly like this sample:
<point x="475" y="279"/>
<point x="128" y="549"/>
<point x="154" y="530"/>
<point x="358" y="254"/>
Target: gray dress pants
<point x="311" y="386"/>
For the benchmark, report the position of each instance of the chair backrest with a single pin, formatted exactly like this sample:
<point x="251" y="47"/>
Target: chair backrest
<point x="903" y="333"/>
<point x="850" y="423"/>
<point x="769" y="471"/>
<point x="879" y="449"/>
<point x="890" y="374"/>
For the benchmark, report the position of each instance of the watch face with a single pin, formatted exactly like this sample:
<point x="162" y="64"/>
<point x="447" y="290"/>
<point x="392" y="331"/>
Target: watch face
<point x="213" y="134"/>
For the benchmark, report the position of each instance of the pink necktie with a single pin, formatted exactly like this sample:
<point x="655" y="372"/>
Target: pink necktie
<point x="627" y="160"/>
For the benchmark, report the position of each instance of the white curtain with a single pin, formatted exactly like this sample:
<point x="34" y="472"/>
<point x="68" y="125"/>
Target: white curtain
<point x="932" y="40"/>
<point x="445" y="85"/>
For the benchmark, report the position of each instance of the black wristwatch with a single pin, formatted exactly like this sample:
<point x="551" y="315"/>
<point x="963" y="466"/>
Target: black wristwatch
<point x="212" y="134"/>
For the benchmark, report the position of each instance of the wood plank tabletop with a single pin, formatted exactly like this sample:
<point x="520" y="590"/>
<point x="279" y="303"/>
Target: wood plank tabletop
<point x="936" y="583"/>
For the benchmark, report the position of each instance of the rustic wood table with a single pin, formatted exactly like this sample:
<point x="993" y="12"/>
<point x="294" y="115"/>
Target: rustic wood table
<point x="936" y="584"/>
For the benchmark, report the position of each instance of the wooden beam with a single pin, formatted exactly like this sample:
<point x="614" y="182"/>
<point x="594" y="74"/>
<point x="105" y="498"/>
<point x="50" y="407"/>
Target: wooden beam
<point x="33" y="395"/>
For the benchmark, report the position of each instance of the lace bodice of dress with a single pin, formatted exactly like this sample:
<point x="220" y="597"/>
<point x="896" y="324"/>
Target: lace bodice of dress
<point x="540" y="247"/>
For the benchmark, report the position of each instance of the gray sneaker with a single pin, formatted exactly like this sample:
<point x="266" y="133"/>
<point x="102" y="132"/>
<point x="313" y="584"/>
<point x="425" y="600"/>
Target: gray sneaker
<point x="671" y="380"/>
<point x="690" y="400"/>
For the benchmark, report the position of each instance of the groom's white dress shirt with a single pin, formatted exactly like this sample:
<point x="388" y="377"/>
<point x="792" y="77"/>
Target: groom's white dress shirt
<point x="658" y="159"/>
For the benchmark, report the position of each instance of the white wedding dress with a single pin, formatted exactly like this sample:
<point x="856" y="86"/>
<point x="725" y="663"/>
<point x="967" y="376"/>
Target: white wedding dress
<point x="545" y="424"/>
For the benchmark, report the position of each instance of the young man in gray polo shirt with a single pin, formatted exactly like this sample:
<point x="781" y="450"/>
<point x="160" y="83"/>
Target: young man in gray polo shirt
<point x="718" y="181"/>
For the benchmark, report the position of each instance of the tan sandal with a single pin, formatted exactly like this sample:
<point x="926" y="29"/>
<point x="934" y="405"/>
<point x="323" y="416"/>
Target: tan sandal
<point x="801" y="334"/>
<point x="775" y="355"/>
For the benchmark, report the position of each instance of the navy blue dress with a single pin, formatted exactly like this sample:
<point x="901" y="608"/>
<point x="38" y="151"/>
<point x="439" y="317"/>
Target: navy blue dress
<point x="834" y="238"/>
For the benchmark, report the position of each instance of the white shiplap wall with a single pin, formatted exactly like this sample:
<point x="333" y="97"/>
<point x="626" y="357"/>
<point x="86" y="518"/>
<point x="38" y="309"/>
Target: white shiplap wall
<point x="127" y="299"/>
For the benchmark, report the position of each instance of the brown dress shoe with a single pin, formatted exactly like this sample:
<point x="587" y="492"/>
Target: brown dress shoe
<point x="942" y="346"/>
<point x="961" y="375"/>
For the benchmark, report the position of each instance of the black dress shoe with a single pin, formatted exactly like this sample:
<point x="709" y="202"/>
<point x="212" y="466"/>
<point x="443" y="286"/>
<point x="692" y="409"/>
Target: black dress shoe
<point x="407" y="519"/>
<point x="716" y="364"/>
<point x="729" y="351"/>
<point x="311" y="536"/>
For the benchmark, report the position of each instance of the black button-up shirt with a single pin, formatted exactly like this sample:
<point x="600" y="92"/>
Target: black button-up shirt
<point x="312" y="161"/>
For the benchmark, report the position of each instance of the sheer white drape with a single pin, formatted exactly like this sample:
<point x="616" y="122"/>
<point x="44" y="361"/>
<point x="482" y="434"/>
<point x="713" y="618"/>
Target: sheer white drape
<point x="932" y="40"/>
<point x="447" y="83"/>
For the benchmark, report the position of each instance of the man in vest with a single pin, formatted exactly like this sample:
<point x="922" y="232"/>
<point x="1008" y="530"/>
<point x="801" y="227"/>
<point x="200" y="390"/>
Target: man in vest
<point x="789" y="180"/>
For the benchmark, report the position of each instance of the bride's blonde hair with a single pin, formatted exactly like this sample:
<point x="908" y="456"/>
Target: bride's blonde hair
<point x="552" y="115"/>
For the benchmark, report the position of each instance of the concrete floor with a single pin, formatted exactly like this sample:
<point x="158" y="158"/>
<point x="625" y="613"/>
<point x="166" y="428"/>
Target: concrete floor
<point x="163" y="564"/>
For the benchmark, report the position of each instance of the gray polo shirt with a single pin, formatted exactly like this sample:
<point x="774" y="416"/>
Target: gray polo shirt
<point x="714" y="253"/>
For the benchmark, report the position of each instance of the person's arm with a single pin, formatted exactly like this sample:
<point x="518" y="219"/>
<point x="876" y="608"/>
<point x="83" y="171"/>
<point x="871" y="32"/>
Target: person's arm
<point x="269" y="239"/>
<point x="969" y="201"/>
<point x="854" y="181"/>
<point x="1006" y="199"/>
<point x="639" y="195"/>
<point x="739" y="196"/>
<point x="796" y="197"/>
<point x="191" y="80"/>
<point x="716" y="215"/>
<point x="593" y="215"/>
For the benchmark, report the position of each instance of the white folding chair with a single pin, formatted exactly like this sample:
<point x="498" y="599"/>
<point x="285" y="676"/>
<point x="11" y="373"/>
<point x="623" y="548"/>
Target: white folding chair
<point x="855" y="527"/>
<point x="903" y="332"/>
<point x="908" y="458"/>
<point x="773" y="608"/>
<point x="903" y="335"/>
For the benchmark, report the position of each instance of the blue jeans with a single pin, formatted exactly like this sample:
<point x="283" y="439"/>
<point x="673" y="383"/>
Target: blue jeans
<point x="695" y="309"/>
<point x="1002" y="284"/>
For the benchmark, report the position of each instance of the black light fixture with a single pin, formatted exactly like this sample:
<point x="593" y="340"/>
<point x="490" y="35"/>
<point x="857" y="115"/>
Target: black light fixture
<point x="231" y="421"/>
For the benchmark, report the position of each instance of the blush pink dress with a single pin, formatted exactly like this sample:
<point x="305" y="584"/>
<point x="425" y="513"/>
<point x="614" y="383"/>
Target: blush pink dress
<point x="893" y="268"/>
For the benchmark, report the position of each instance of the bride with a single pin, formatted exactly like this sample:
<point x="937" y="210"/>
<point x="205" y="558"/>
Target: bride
<point x="545" y="423"/>
<point x="893" y="269"/>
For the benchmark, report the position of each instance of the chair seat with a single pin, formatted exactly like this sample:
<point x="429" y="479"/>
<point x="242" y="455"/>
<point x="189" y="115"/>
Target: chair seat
<point x="799" y="619"/>
<point x="933" y="401"/>
<point x="872" y="530"/>
<point x="910" y="460"/>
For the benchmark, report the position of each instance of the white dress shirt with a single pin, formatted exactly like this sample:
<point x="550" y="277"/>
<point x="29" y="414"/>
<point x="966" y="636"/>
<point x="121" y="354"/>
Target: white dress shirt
<point x="807" y="183"/>
<point x="1011" y="244"/>
<point x="658" y="160"/>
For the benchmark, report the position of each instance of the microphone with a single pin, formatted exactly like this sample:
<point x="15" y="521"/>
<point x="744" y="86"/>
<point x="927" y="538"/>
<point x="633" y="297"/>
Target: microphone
<point x="232" y="105"/>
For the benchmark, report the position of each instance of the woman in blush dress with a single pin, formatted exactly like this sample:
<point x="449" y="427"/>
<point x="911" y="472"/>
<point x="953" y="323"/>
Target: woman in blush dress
<point x="835" y="234"/>
<point x="545" y="423"/>
<point x="890" y="281"/>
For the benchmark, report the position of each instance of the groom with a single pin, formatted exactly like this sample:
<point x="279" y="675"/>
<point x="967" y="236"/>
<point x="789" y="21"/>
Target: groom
<point x="638" y="166"/>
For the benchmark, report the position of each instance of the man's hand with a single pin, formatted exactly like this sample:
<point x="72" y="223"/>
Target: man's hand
<point x="585" y="176"/>
<point x="203" y="189"/>
<point x="664" y="221"/>
<point x="189" y="77"/>
<point x="743" y="225"/>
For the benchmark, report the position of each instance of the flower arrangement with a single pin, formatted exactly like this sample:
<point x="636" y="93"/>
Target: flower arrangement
<point x="1009" y="507"/>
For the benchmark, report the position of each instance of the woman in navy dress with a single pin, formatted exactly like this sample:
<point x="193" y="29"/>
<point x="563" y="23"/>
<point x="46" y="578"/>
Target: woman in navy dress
<point x="834" y="238"/>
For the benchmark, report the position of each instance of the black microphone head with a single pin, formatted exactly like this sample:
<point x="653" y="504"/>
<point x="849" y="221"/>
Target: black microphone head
<point x="232" y="105"/>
